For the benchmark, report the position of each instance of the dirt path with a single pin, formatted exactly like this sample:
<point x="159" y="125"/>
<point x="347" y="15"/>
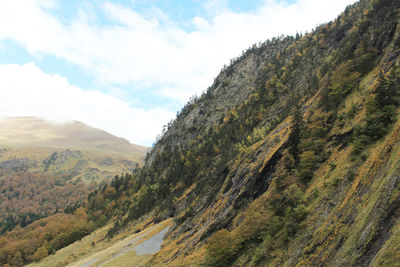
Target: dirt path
<point x="148" y="247"/>
<point x="139" y="245"/>
<point x="151" y="245"/>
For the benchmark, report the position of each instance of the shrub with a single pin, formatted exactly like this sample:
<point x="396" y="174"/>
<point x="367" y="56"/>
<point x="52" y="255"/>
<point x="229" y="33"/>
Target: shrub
<point x="40" y="254"/>
<point x="221" y="249"/>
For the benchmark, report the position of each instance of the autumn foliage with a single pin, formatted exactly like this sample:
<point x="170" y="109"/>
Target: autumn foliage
<point x="26" y="197"/>
<point x="43" y="237"/>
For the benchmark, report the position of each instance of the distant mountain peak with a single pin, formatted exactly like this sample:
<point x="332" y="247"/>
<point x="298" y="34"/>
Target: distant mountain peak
<point x="37" y="132"/>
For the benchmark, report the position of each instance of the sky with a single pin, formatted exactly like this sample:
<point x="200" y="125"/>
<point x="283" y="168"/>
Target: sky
<point x="128" y="66"/>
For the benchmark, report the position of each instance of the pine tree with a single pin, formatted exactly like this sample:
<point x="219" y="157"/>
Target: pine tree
<point x="386" y="90"/>
<point x="385" y="99"/>
<point x="295" y="132"/>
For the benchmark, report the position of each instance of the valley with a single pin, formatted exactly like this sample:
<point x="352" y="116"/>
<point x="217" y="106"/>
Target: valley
<point x="290" y="158"/>
<point x="50" y="168"/>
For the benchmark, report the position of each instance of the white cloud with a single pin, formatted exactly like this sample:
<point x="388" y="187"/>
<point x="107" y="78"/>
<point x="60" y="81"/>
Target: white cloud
<point x="139" y="50"/>
<point x="200" y="23"/>
<point x="155" y="51"/>
<point x="27" y="91"/>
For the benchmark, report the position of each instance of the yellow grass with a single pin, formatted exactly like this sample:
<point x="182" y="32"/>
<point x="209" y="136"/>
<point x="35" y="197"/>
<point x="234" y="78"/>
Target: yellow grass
<point x="109" y="253"/>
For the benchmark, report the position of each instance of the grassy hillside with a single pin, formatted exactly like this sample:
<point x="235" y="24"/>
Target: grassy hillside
<point x="36" y="132"/>
<point x="291" y="157"/>
<point x="73" y="148"/>
<point x="96" y="249"/>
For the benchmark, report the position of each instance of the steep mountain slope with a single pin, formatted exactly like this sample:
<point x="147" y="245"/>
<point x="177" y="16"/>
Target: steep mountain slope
<point x="291" y="157"/>
<point x="331" y="74"/>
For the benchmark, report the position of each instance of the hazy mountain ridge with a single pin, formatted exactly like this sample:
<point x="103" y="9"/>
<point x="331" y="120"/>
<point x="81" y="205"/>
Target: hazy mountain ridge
<point x="36" y="132"/>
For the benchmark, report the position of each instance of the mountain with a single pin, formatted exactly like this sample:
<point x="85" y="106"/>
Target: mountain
<point x="48" y="167"/>
<point x="290" y="158"/>
<point x="36" y="132"/>
<point x="72" y="147"/>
